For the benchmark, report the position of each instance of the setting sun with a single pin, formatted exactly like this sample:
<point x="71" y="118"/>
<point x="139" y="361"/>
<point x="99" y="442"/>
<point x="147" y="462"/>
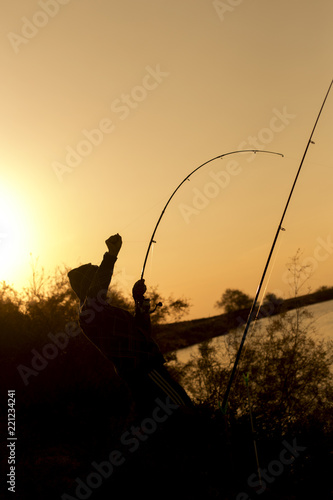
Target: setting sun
<point x="14" y="236"/>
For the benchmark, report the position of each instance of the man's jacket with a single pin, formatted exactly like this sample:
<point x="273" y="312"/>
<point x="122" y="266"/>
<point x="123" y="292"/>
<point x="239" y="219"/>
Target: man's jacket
<point x="123" y="338"/>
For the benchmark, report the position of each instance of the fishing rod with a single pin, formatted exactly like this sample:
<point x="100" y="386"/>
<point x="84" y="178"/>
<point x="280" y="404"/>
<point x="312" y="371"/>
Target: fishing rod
<point x="184" y="180"/>
<point x="279" y="228"/>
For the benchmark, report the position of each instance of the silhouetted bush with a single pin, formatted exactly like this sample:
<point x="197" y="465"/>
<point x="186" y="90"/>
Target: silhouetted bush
<point x="73" y="409"/>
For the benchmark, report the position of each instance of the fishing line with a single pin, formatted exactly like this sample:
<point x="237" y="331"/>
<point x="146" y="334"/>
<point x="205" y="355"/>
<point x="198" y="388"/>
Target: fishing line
<point x="246" y="379"/>
<point x="142" y="214"/>
<point x="254" y="322"/>
<point x="279" y="229"/>
<point x="151" y="260"/>
<point x="269" y="278"/>
<point x="187" y="178"/>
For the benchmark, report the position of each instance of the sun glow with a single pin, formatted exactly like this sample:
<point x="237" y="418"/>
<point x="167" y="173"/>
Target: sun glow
<point x="14" y="236"/>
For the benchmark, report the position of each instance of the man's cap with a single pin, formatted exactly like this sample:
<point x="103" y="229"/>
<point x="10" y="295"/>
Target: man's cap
<point x="80" y="279"/>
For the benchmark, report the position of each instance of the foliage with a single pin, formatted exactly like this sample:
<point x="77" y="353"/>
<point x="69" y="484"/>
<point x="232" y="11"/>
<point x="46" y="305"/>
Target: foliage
<point x="73" y="411"/>
<point x="288" y="398"/>
<point x="171" y="309"/>
<point x="233" y="300"/>
<point x="50" y="302"/>
<point x="289" y="369"/>
<point x="272" y="301"/>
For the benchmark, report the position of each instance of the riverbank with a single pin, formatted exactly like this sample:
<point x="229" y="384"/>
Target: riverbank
<point x="175" y="336"/>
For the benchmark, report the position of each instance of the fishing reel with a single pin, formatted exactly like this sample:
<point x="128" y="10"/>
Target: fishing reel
<point x="159" y="304"/>
<point x="144" y="306"/>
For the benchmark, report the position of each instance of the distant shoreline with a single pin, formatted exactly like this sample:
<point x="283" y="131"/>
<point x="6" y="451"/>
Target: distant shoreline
<point x="174" y="336"/>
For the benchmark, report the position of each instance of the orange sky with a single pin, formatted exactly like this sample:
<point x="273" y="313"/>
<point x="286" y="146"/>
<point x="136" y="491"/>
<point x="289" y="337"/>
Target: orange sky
<point x="107" y="106"/>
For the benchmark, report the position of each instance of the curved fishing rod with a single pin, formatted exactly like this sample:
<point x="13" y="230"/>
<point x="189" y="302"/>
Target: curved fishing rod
<point x="186" y="178"/>
<point x="279" y="228"/>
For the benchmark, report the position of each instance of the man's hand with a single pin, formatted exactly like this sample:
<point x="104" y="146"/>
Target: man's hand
<point x="139" y="290"/>
<point x="114" y="244"/>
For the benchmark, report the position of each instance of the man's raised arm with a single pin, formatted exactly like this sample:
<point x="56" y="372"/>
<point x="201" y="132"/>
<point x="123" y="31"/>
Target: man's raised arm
<point x="101" y="281"/>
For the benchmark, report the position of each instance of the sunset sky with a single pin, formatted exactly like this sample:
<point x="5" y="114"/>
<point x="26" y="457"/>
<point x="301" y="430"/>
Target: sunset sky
<point x="107" y="105"/>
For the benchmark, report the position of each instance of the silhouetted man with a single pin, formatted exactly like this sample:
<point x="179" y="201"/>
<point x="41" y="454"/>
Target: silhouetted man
<point x="124" y="339"/>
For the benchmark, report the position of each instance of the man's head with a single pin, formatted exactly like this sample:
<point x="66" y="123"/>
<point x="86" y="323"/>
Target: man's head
<point x="80" y="279"/>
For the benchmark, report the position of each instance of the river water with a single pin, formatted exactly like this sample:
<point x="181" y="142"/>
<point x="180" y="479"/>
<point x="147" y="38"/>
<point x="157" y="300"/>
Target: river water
<point x="322" y="320"/>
